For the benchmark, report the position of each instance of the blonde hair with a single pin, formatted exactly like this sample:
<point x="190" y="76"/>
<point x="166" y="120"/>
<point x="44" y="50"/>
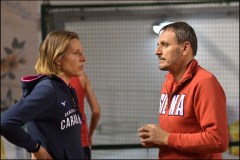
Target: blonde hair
<point x="53" y="47"/>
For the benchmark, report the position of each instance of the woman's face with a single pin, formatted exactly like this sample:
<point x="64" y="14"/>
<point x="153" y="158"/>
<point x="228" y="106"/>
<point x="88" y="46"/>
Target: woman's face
<point x="73" y="60"/>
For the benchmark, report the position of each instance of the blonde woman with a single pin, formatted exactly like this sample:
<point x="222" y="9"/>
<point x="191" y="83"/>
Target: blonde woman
<point x="49" y="105"/>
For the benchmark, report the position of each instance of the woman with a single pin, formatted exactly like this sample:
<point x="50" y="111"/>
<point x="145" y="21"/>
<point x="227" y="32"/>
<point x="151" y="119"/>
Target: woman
<point x="49" y="105"/>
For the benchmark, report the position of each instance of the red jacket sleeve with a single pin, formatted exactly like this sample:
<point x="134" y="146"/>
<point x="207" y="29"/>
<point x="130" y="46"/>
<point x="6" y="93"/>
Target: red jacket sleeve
<point x="210" y="109"/>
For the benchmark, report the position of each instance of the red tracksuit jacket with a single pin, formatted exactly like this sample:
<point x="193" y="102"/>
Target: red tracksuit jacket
<point x="194" y="112"/>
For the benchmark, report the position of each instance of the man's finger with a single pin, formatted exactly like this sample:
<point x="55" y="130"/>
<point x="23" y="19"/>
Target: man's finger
<point x="143" y="129"/>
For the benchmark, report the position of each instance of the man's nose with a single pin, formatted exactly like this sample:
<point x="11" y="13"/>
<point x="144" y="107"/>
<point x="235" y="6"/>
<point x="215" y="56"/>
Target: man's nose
<point x="158" y="51"/>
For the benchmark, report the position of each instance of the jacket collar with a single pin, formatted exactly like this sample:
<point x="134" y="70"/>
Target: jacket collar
<point x="186" y="76"/>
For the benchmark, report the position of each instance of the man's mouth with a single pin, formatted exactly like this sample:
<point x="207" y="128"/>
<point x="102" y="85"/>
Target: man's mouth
<point x="160" y="59"/>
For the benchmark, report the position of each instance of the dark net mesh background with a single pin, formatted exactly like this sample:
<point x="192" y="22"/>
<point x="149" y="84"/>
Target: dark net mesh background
<point x="119" y="44"/>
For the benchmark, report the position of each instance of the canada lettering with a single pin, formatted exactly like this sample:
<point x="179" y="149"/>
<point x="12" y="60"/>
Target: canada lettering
<point x="70" y="121"/>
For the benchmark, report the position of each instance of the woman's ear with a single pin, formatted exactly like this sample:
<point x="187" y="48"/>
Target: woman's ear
<point x="58" y="61"/>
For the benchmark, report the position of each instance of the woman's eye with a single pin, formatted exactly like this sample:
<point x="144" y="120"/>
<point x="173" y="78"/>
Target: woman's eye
<point x="78" y="53"/>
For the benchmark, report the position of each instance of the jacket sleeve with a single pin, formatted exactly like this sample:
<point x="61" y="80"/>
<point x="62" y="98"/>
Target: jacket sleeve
<point x="39" y="105"/>
<point x="210" y="109"/>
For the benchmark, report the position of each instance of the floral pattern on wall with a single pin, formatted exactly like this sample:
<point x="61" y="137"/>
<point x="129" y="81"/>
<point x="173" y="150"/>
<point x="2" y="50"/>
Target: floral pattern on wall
<point x="14" y="57"/>
<point x="20" y="39"/>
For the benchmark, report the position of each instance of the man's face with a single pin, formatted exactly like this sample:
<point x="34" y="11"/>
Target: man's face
<point x="168" y="51"/>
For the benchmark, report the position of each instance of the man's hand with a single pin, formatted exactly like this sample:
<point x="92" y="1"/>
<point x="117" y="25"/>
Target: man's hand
<point x="152" y="135"/>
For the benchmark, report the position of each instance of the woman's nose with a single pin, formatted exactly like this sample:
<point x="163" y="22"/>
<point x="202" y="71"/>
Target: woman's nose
<point x="82" y="58"/>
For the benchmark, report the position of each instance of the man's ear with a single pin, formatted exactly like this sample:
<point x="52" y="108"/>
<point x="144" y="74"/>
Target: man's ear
<point x="186" y="47"/>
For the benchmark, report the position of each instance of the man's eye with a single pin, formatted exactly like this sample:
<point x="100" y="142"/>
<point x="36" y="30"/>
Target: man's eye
<point x="165" y="44"/>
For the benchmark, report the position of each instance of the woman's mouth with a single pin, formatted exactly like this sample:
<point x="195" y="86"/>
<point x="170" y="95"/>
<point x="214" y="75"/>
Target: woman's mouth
<point x="82" y="67"/>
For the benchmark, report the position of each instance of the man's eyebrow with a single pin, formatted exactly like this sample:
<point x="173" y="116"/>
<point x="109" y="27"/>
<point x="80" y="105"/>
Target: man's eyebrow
<point x="163" y="41"/>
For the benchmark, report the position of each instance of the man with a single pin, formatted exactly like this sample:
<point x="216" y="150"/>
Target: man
<point x="192" y="114"/>
<point x="83" y="88"/>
